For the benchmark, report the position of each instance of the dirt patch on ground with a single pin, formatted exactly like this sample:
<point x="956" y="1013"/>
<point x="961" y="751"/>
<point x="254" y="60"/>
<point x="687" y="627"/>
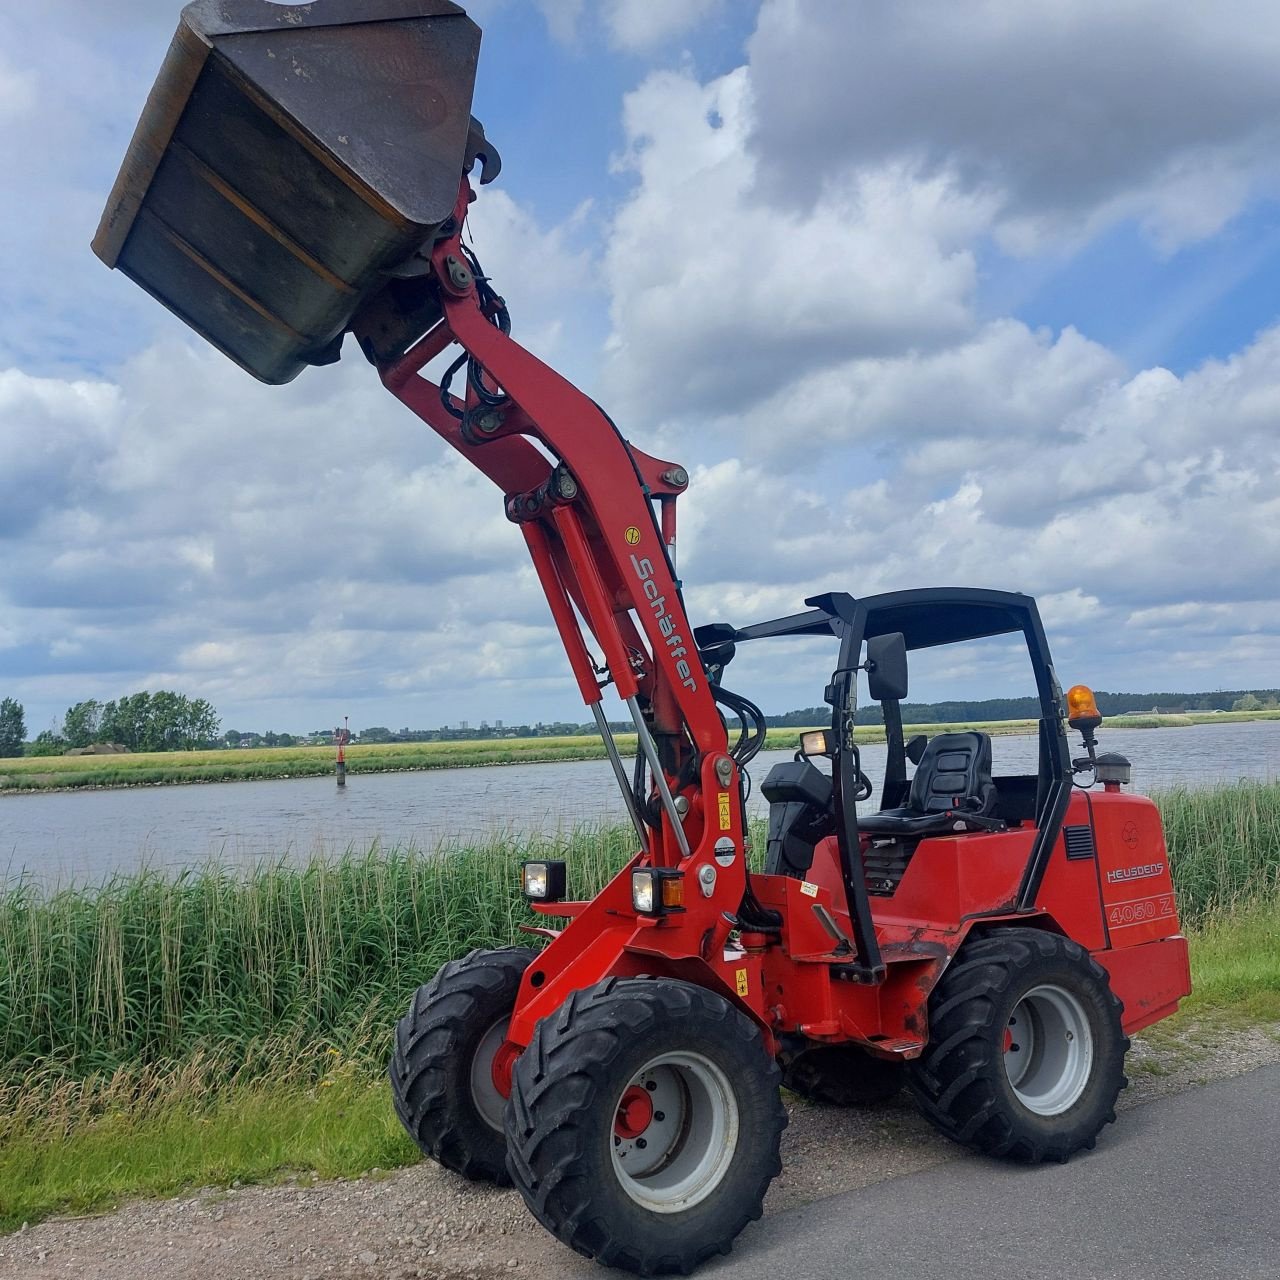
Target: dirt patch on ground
<point x="424" y="1222"/>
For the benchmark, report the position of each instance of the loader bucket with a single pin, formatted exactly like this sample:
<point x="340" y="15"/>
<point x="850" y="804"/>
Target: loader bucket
<point x="287" y="158"/>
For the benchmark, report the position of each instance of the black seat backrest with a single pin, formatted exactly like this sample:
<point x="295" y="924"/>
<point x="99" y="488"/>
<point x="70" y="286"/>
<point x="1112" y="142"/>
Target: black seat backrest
<point x="954" y="773"/>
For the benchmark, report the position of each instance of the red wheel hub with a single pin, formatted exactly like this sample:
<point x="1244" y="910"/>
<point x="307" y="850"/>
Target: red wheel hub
<point x="635" y="1113"/>
<point x="1008" y="1039"/>
<point x="504" y="1063"/>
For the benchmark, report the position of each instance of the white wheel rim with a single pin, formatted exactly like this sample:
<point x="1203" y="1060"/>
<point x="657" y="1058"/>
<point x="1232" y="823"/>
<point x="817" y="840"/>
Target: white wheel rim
<point x="484" y="1093"/>
<point x="1048" y="1050"/>
<point x="674" y="1133"/>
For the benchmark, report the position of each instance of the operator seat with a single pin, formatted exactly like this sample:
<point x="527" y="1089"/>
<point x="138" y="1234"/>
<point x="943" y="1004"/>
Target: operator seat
<point x="952" y="784"/>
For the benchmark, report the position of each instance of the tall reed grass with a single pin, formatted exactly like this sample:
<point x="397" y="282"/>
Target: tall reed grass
<point x="1224" y="847"/>
<point x="282" y="968"/>
<point x="148" y="968"/>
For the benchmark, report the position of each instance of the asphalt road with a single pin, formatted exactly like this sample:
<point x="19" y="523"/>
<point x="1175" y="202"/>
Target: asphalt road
<point x="1185" y="1187"/>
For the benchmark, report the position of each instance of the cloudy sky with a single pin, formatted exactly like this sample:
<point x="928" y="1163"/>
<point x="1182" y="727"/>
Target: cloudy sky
<point x="922" y="294"/>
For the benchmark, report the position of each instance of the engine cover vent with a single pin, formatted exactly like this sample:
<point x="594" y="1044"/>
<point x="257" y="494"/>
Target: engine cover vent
<point x="1079" y="842"/>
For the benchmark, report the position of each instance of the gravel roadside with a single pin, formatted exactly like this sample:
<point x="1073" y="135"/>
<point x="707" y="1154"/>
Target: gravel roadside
<point x="424" y="1222"/>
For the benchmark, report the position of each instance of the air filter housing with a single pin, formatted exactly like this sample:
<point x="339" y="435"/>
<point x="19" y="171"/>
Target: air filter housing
<point x="288" y="158"/>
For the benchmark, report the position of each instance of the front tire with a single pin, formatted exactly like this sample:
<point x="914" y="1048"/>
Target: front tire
<point x="1026" y="1052"/>
<point x="644" y="1124"/>
<point x="441" y="1071"/>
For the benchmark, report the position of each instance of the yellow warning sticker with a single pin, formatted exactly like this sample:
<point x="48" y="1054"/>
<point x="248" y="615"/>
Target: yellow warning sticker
<point x="808" y="888"/>
<point x="632" y="535"/>
<point x="741" y="976"/>
<point x="726" y="814"/>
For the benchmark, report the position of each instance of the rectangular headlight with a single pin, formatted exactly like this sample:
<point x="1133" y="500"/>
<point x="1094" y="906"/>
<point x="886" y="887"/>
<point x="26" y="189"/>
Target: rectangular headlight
<point x="817" y="742"/>
<point x="657" y="891"/>
<point x="544" y="880"/>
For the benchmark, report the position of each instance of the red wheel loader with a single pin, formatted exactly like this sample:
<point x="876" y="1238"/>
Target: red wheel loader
<point x="988" y="942"/>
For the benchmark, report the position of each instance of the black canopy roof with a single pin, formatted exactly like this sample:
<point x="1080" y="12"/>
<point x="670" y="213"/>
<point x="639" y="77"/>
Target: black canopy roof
<point x="926" y="617"/>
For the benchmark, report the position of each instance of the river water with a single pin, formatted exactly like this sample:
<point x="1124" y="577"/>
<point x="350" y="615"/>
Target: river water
<point x="83" y="836"/>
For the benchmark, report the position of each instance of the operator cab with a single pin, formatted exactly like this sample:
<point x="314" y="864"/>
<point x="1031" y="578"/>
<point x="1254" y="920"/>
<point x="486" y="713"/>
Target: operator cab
<point x="952" y="791"/>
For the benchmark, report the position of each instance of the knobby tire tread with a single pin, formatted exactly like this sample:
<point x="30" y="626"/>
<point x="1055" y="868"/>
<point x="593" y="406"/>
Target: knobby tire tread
<point x="428" y="1064"/>
<point x="960" y="1082"/>
<point x="566" y="1071"/>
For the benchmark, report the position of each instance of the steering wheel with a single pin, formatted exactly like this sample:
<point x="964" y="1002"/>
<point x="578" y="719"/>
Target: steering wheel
<point x="863" y="789"/>
<point x="863" y="786"/>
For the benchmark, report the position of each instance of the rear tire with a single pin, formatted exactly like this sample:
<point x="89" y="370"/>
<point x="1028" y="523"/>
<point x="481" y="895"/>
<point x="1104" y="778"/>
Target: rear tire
<point x="841" y="1075"/>
<point x="644" y="1123"/>
<point x="440" y="1072"/>
<point x="1026" y="1052"/>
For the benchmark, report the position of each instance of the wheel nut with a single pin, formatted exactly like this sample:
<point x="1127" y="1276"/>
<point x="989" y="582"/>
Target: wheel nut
<point x="641" y="1143"/>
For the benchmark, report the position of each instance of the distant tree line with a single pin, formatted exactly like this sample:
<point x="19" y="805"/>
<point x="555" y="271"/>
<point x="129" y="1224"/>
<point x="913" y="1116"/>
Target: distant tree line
<point x="160" y="721"/>
<point x="486" y="732"/>
<point x="169" y="721"/>
<point x="13" y="728"/>
<point x="233" y="738"/>
<point x="1110" y="704"/>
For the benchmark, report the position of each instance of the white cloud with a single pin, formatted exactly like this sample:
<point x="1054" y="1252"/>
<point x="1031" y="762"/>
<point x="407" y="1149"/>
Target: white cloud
<point x="17" y="93"/>
<point x="562" y="18"/>
<point x="718" y="299"/>
<point x="1075" y="114"/>
<point x="790" y="276"/>
<point x="641" y="25"/>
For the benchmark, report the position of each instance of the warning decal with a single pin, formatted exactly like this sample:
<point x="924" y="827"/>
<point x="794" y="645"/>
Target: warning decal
<point x="741" y="976"/>
<point x="726" y="814"/>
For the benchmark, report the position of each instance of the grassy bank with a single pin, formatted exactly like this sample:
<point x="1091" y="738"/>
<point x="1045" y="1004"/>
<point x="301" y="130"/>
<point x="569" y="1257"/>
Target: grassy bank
<point x="45" y="773"/>
<point x="160" y="1032"/>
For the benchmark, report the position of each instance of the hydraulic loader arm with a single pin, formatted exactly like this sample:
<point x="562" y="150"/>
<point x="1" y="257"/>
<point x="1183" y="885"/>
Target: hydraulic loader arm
<point x="601" y="553"/>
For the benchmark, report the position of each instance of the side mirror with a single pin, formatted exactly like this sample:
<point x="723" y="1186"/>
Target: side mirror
<point x="887" y="666"/>
<point x="915" y="748"/>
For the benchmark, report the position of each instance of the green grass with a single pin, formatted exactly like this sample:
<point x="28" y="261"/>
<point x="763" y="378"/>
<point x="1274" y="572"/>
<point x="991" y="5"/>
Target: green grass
<point x="1235" y="965"/>
<point x="149" y="969"/>
<point x="159" y="1033"/>
<point x="44" y="773"/>
<point x="265" y="1131"/>
<point x="166" y="1133"/>
<point x="1165" y="721"/>
<point x="1224" y="846"/>
<point x="37" y="773"/>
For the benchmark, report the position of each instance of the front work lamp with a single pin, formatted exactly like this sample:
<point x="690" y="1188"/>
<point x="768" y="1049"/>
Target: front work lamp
<point x="657" y="891"/>
<point x="543" y="881"/>
<point x="817" y="742"/>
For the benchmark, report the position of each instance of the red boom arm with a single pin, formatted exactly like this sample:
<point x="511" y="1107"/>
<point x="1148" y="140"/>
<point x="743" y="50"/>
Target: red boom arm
<point x="601" y="554"/>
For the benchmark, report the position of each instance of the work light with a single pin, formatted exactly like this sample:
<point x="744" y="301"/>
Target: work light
<point x="543" y="881"/>
<point x="817" y="742"/>
<point x="657" y="891"/>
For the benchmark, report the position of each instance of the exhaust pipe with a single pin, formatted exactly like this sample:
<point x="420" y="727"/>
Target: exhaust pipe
<point x="288" y="160"/>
